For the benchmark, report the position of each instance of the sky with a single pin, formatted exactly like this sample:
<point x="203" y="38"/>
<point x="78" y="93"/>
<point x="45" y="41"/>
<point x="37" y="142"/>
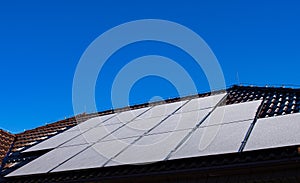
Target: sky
<point x="41" y="43"/>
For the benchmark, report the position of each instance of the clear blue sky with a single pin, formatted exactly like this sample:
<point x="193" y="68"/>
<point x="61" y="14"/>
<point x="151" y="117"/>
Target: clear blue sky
<point x="41" y="43"/>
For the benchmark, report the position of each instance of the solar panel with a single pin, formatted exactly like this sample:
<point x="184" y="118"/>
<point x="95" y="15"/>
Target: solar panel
<point x="162" y="110"/>
<point x="233" y="113"/>
<point x="201" y="103"/>
<point x="219" y="139"/>
<point x="181" y="121"/>
<point x="77" y="130"/>
<point x="150" y="148"/>
<point x="135" y="128"/>
<point x="124" y="117"/>
<point x="131" y="114"/>
<point x="274" y="132"/>
<point x="114" y="120"/>
<point x="95" y="156"/>
<point x="92" y="135"/>
<point x="48" y="161"/>
<point x="74" y="128"/>
<point x="55" y="141"/>
<point x="94" y="121"/>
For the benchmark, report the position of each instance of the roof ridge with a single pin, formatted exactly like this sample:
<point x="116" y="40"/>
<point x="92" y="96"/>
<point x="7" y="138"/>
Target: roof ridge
<point x="6" y="132"/>
<point x="273" y="87"/>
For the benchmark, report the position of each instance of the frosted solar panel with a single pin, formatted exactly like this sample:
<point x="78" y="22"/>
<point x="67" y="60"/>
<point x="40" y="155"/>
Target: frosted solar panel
<point x="90" y="123"/>
<point x="92" y="135"/>
<point x="150" y="148"/>
<point x="48" y="161"/>
<point x="162" y="110"/>
<point x="95" y="156"/>
<point x="219" y="139"/>
<point x="55" y="141"/>
<point x="201" y="103"/>
<point x="114" y="120"/>
<point x="94" y="121"/>
<point x="75" y="131"/>
<point x="181" y="121"/>
<point x="74" y="128"/>
<point x="233" y="113"/>
<point x="275" y="132"/>
<point x="130" y="115"/>
<point x="135" y="128"/>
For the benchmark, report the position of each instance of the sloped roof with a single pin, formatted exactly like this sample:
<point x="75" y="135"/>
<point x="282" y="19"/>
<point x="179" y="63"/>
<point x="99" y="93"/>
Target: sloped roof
<point x="17" y="143"/>
<point x="240" y="116"/>
<point x="6" y="139"/>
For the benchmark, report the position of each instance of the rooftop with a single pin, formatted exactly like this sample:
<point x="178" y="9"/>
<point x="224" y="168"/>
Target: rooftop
<point x="245" y="122"/>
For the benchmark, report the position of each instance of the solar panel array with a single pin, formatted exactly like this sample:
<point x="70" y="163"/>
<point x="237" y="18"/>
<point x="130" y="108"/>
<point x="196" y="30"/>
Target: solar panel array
<point x="195" y="127"/>
<point x="222" y="132"/>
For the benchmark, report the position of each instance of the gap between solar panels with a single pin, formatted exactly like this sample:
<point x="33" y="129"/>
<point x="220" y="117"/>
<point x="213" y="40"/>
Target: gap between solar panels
<point x="244" y="142"/>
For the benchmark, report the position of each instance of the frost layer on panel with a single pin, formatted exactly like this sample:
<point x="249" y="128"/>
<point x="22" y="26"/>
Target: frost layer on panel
<point x="94" y="122"/>
<point x="95" y="156"/>
<point x="55" y="141"/>
<point x="125" y="117"/>
<point x="233" y="113"/>
<point x="48" y="161"/>
<point x="135" y="128"/>
<point x="162" y="110"/>
<point x="219" y="139"/>
<point x="274" y="132"/>
<point x="131" y="114"/>
<point x="114" y="120"/>
<point x="69" y="134"/>
<point x="93" y="135"/>
<point x="150" y="148"/>
<point x="202" y="103"/>
<point x="181" y="121"/>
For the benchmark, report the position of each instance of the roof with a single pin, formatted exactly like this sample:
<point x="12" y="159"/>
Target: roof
<point x="242" y="119"/>
<point x="6" y="139"/>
